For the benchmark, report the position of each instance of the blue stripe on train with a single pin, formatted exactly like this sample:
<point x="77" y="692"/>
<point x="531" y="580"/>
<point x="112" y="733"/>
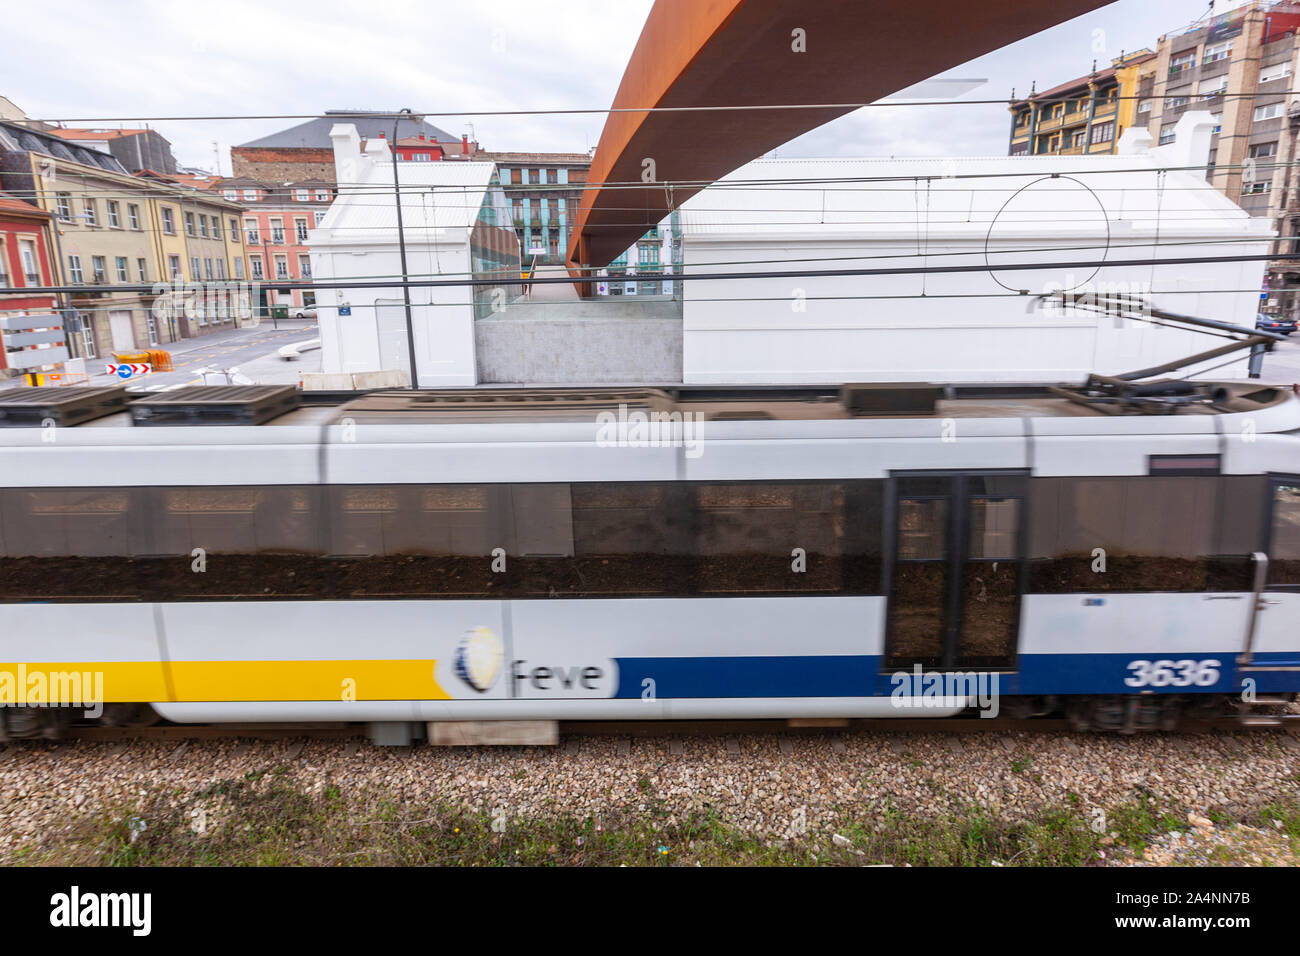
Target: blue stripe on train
<point x="861" y="676"/>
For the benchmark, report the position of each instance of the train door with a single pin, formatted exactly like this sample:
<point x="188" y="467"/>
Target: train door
<point x="1272" y="641"/>
<point x="956" y="569"/>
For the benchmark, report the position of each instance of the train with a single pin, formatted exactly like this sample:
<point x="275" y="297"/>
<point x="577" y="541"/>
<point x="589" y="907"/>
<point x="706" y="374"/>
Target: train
<point x="1123" y="555"/>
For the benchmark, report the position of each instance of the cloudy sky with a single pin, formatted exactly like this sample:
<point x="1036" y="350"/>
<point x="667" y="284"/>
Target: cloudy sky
<point x="166" y="59"/>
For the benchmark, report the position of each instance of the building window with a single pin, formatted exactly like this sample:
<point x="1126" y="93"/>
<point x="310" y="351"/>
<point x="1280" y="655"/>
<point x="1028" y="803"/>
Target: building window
<point x="1256" y="189"/>
<point x="250" y="195"/>
<point x="1212" y="88"/>
<point x="92" y="217"/>
<point x="420" y="157"/>
<point x="122" y="274"/>
<point x="207" y="269"/>
<point x="256" y="263"/>
<point x="254" y="235"/>
<point x="98" y="267"/>
<point x="552" y="176"/>
<point x="1103" y="132"/>
<point x="239" y="267"/>
<point x="87" y="333"/>
<point x="189" y="224"/>
<point x="203" y="226"/>
<point x="1182" y="61"/>
<point x="322" y="195"/>
<point x="1077" y="138"/>
<point x="1268" y="112"/>
<point x="300" y="228"/>
<point x="300" y="195"/>
<point x="27" y="253"/>
<point x="133" y="215"/>
<point x="4" y="270"/>
<point x="113" y="219"/>
<point x="1263" y="150"/>
<point x="1218" y="121"/>
<point x="1166" y="135"/>
<point x="281" y="267"/>
<point x="174" y="265"/>
<point x="1275" y="72"/>
<point x="1176" y="101"/>
<point x="195" y="272"/>
<point x="231" y="194"/>
<point x="1218" y="51"/>
<point x="234" y="231"/>
<point x="304" y="267"/>
<point x="142" y="268"/>
<point x="168" y="221"/>
<point x="65" y="207"/>
<point x="534" y="177"/>
<point x="277" y="232"/>
<point x="1144" y="106"/>
<point x="221" y="269"/>
<point x="320" y="216"/>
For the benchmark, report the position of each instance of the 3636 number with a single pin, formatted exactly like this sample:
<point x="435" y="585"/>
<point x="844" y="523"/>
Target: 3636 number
<point x="1183" y="673"/>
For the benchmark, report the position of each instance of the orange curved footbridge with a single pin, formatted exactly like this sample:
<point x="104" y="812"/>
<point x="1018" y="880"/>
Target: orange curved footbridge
<point x="768" y="53"/>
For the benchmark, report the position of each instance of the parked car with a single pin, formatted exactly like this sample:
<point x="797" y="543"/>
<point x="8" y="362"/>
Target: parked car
<point x="1274" y="323"/>
<point x="309" y="312"/>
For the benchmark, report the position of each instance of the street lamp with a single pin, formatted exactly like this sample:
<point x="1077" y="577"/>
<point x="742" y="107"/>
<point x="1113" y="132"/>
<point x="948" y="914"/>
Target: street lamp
<point x="401" y="244"/>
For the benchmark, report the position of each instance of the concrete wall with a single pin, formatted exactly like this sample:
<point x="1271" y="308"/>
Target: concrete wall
<point x="583" y="343"/>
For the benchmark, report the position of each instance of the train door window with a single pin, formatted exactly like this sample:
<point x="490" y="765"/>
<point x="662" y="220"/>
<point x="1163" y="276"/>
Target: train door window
<point x="918" y="603"/>
<point x="1284" y="546"/>
<point x="991" y="583"/>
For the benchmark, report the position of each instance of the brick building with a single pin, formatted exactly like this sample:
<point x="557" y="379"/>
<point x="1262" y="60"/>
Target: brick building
<point x="277" y="218"/>
<point x="305" y="151"/>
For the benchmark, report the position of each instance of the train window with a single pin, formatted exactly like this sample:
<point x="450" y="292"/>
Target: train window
<point x="923" y="529"/>
<point x="632" y="538"/>
<point x="1284" y="557"/>
<point x="70" y="543"/>
<point x="994" y="527"/>
<point x="1142" y="534"/>
<point x="414" y="540"/>
<point x="748" y="533"/>
<point x="257" y="542"/>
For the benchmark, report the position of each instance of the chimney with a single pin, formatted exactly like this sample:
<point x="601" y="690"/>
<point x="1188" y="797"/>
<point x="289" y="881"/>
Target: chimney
<point x="421" y="137"/>
<point x="464" y="144"/>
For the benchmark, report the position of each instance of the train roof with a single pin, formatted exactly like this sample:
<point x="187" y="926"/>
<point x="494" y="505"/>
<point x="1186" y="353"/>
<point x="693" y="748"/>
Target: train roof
<point x="97" y="407"/>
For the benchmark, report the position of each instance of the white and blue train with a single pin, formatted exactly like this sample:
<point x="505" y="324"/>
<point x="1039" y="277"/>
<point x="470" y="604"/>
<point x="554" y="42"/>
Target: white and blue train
<point x="252" y="555"/>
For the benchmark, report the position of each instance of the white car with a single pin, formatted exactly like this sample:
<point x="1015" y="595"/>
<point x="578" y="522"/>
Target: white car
<point x="306" y="312"/>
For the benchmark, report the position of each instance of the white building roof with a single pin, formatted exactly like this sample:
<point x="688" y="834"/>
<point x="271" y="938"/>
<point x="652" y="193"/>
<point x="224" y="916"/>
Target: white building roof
<point x="1044" y="196"/>
<point x="440" y="202"/>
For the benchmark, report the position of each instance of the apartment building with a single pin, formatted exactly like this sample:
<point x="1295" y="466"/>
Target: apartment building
<point x="1239" y="65"/>
<point x="111" y="229"/>
<point x="1085" y="115"/>
<point x="544" y="190"/>
<point x="276" y="219"/>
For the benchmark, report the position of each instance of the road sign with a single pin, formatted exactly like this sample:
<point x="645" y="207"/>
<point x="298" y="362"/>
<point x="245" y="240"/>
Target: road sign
<point x="345" y="310"/>
<point x="128" y="369"/>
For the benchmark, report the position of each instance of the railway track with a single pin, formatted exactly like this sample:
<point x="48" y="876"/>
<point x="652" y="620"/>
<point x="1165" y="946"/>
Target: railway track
<point x="1288" y="723"/>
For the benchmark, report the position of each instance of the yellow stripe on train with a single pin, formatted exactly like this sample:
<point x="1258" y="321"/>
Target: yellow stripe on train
<point x="144" y="681"/>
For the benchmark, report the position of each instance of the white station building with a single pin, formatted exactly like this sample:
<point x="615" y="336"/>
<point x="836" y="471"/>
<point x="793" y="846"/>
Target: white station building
<point x="457" y="223"/>
<point x="981" y="215"/>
